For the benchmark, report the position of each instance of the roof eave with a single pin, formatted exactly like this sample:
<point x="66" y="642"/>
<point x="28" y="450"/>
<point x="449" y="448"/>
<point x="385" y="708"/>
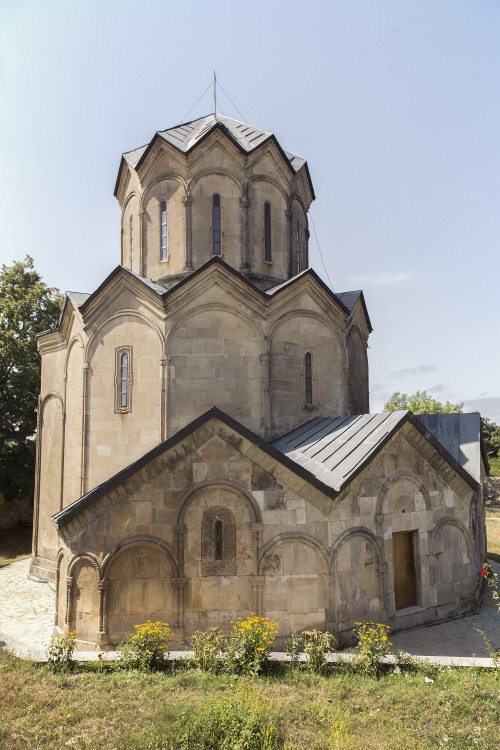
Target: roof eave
<point x="311" y="272"/>
<point x="66" y="515"/>
<point x="116" y="271"/>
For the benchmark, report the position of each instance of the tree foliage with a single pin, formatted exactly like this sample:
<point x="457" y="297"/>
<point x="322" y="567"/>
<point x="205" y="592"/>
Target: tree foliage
<point x="491" y="435"/>
<point x="27" y="307"/>
<point x="421" y="403"/>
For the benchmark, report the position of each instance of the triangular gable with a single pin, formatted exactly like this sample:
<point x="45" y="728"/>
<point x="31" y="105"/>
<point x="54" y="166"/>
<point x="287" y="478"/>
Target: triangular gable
<point x="262" y="452"/>
<point x="187" y="136"/>
<point x="337" y="449"/>
<point x="351" y="299"/>
<point x="119" y="271"/>
<point x="309" y="273"/>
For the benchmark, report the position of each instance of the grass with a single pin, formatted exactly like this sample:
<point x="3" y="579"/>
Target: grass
<point x="493" y="533"/>
<point x="90" y="709"/>
<point x="102" y="707"/>
<point x="15" y="544"/>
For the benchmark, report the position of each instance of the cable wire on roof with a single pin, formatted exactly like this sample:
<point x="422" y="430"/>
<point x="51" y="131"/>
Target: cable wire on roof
<point x="183" y="119"/>
<point x="320" y="253"/>
<point x="215" y="83"/>
<point x="234" y="105"/>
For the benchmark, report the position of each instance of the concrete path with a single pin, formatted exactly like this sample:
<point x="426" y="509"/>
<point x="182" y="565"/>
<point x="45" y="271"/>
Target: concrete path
<point x="27" y="619"/>
<point x="26" y="611"/>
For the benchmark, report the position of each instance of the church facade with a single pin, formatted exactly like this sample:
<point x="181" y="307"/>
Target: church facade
<point x="204" y="443"/>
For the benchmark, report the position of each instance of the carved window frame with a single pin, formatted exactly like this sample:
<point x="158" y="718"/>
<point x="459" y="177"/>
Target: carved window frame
<point x="123" y="381"/>
<point x="218" y="542"/>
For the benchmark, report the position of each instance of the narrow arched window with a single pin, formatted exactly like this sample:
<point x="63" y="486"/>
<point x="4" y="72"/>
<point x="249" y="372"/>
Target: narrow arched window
<point x="123" y="398"/>
<point x="163" y="231"/>
<point x="216" y="225"/>
<point x="268" y="255"/>
<point x="123" y="379"/>
<point x="308" y="377"/>
<point x="297" y="246"/>
<point x="131" y="240"/>
<point x="218" y="540"/>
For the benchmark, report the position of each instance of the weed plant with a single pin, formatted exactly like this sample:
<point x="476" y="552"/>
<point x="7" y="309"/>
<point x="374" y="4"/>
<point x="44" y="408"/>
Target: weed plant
<point x="250" y="644"/>
<point x="373" y="646"/>
<point x="317" y="646"/>
<point x="60" y="651"/>
<point x="208" y="647"/>
<point x="147" y="647"/>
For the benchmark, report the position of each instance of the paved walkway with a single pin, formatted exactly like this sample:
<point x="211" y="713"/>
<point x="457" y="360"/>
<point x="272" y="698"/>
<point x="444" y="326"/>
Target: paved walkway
<point x="27" y="619"/>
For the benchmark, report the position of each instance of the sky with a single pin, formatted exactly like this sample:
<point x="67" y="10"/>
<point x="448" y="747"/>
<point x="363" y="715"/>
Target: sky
<point x="394" y="103"/>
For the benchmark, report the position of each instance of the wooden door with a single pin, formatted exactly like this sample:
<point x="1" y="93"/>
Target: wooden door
<point x="405" y="583"/>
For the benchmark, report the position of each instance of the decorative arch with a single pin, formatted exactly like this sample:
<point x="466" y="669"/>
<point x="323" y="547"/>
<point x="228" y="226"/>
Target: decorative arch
<point x="139" y="539"/>
<point x="133" y="313"/>
<point x="293" y="537"/>
<point x="235" y="486"/>
<point x="357" y="371"/>
<point x="397" y="477"/>
<point x="83" y="595"/>
<point x="311" y="314"/>
<point x="163" y="178"/>
<point x="59" y="618"/>
<point x="90" y="557"/>
<point x="353" y="330"/>
<point x="450" y="521"/>
<point x="265" y="178"/>
<point x="49" y="470"/>
<point x="214" y="307"/>
<point x="130" y="197"/>
<point x="358" y="578"/>
<point x="47" y="398"/>
<point x="215" y="171"/>
<point x="296" y="198"/>
<point x="140" y="583"/>
<point x="76" y="339"/>
<point x="355" y="531"/>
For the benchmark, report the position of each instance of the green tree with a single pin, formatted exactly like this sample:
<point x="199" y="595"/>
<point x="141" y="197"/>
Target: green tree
<point x="491" y="435"/>
<point x="421" y="403"/>
<point x="27" y="307"/>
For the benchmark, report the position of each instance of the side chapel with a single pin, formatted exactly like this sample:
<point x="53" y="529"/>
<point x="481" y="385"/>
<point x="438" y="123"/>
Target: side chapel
<point x="204" y="443"/>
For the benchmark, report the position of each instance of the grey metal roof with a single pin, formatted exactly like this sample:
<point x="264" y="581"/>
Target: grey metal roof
<point x="334" y="448"/>
<point x="158" y="288"/>
<point x="460" y="434"/>
<point x="134" y="156"/>
<point x="274" y="289"/>
<point x="77" y="298"/>
<point x="184" y="137"/>
<point x="349" y="298"/>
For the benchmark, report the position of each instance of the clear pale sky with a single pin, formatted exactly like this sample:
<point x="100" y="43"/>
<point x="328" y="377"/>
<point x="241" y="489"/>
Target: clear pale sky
<point x="395" y="104"/>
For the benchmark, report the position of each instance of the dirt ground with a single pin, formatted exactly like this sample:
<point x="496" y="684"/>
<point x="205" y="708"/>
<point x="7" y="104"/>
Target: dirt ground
<point x="15" y="544"/>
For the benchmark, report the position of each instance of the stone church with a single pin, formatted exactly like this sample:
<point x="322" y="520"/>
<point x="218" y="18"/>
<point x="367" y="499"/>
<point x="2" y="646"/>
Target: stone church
<point x="204" y="443"/>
